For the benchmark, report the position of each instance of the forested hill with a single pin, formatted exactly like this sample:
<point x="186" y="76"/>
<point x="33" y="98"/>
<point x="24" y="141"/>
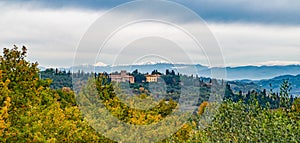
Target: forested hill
<point x="63" y="78"/>
<point x="274" y="83"/>
<point x="268" y="84"/>
<point x="233" y="73"/>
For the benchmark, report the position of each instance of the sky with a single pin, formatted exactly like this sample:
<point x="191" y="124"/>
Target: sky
<point x="249" y="32"/>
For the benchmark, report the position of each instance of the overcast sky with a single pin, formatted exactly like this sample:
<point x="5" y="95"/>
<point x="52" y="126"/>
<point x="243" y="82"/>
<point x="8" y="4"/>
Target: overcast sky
<point x="249" y="32"/>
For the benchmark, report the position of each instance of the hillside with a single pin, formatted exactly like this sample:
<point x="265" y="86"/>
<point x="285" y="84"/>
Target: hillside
<point x="233" y="73"/>
<point x="275" y="83"/>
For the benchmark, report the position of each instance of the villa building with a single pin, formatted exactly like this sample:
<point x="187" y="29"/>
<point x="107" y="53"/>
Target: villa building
<point x="152" y="78"/>
<point x="121" y="77"/>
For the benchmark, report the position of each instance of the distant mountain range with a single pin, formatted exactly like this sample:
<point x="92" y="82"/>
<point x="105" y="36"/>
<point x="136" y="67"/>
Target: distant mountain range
<point x="233" y="73"/>
<point x="268" y="84"/>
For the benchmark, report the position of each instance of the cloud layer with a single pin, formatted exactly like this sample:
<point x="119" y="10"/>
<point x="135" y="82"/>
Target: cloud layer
<point x="254" y="11"/>
<point x="248" y="32"/>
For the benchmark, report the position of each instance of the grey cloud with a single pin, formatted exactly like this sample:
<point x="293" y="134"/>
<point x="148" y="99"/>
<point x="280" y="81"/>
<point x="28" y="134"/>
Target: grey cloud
<point x="254" y="11"/>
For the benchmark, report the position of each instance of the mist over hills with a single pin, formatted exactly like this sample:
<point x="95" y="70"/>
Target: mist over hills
<point x="233" y="73"/>
<point x="274" y="83"/>
<point x="268" y="84"/>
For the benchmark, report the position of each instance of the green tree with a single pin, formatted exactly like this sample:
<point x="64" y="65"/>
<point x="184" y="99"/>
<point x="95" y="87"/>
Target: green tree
<point x="285" y="89"/>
